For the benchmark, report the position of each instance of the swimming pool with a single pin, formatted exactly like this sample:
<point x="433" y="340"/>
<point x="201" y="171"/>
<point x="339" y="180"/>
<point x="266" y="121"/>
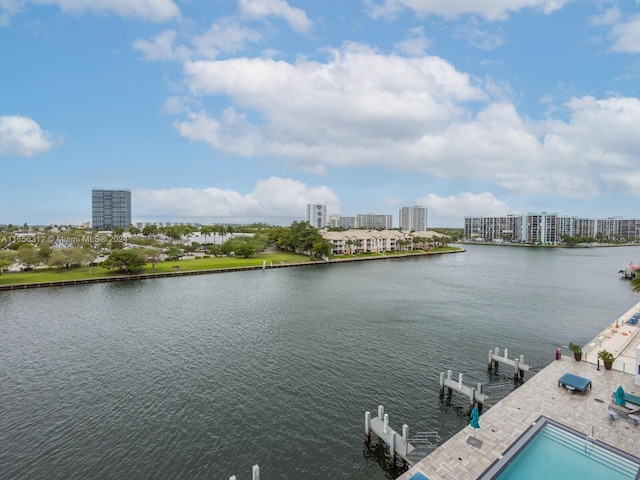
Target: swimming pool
<point x="549" y="449"/>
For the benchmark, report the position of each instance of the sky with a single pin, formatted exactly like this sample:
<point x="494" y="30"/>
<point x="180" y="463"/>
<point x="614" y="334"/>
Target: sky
<point x="241" y="111"/>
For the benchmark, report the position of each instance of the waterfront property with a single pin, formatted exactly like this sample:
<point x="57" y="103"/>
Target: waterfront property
<point x="503" y="426"/>
<point x="547" y="228"/>
<point x="351" y="242"/>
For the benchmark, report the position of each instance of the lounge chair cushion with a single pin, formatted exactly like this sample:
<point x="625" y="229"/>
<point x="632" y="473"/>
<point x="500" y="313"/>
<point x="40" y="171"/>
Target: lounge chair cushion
<point x="575" y="381"/>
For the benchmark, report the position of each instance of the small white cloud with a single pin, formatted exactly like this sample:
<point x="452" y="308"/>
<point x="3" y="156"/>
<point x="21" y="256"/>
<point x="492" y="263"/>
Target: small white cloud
<point x="295" y="17"/>
<point x="273" y="198"/>
<point x="490" y="10"/>
<point x="162" y="47"/>
<point x="22" y="136"/>
<point x="609" y="17"/>
<point x="199" y="127"/>
<point x="9" y="8"/>
<point x="225" y="35"/>
<point x="175" y="105"/>
<point x="147" y="10"/>
<point x="626" y="36"/>
<point x="415" y="44"/>
<point x="476" y="37"/>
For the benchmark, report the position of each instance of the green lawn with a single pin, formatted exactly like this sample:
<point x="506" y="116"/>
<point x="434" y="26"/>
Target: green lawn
<point x="211" y="263"/>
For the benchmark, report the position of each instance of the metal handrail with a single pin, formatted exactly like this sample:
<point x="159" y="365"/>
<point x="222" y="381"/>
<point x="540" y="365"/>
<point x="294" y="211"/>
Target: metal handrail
<point x="424" y="442"/>
<point x="590" y="437"/>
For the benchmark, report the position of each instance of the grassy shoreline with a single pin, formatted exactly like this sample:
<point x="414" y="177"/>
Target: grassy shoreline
<point x="191" y="266"/>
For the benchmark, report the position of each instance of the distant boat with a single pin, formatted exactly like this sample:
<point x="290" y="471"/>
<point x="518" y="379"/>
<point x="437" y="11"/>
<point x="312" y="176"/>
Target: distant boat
<point x="630" y="270"/>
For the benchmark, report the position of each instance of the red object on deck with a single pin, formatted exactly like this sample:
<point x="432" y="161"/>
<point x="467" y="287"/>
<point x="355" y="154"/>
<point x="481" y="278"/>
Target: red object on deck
<point x="558" y="353"/>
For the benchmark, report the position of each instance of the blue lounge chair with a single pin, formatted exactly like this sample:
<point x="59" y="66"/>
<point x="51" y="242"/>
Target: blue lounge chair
<point x="574" y="382"/>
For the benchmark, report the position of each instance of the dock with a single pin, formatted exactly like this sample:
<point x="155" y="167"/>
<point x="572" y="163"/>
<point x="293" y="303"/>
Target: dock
<point x="411" y="450"/>
<point x="489" y="394"/>
<point x="474" y="394"/>
<point x="518" y="364"/>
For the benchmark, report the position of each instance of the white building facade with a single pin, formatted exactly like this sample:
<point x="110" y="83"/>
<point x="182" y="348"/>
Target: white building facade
<point x="317" y="215"/>
<point x="413" y="218"/>
<point x="547" y="228"/>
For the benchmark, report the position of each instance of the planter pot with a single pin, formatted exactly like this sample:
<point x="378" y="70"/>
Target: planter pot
<point x="608" y="365"/>
<point x="577" y="356"/>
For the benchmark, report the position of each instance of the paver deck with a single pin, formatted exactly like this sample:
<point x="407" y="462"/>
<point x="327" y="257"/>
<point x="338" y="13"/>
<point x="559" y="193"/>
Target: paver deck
<point x="501" y="425"/>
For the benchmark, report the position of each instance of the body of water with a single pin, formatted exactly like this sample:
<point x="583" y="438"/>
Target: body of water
<point x="205" y="376"/>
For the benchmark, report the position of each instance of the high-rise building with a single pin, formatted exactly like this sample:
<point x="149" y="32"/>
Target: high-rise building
<point x="317" y="215"/>
<point x="110" y="208"/>
<point x="548" y="228"/>
<point x="413" y="218"/>
<point x="371" y="220"/>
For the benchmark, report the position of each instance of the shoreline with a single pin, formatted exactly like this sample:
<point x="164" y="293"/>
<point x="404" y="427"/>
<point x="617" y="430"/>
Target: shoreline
<point x="145" y="276"/>
<point x="531" y="245"/>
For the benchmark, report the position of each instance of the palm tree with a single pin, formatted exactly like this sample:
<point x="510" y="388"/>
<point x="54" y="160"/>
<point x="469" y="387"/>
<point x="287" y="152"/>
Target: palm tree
<point x="222" y="231"/>
<point x="349" y="243"/>
<point x="206" y="230"/>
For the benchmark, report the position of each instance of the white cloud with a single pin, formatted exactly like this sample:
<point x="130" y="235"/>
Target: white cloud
<point x="490" y="10"/>
<point x="148" y="10"/>
<point x="451" y="210"/>
<point x="273" y="198"/>
<point x="600" y="138"/>
<point x="161" y="47"/>
<point x="419" y="114"/>
<point x="295" y="17"/>
<point x="359" y="101"/>
<point x="9" y="8"/>
<point x="225" y="35"/>
<point x="476" y="37"/>
<point x="626" y="36"/>
<point x="415" y="44"/>
<point x="22" y="136"/>
<point x="609" y="17"/>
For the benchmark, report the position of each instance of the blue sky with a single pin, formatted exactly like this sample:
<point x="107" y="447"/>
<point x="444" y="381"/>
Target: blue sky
<point x="247" y="110"/>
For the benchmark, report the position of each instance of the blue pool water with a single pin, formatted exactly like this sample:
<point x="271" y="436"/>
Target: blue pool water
<point x="557" y="453"/>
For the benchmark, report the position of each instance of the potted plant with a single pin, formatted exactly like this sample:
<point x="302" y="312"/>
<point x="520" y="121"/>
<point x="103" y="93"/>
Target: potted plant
<point x="577" y="351"/>
<point x="607" y="359"/>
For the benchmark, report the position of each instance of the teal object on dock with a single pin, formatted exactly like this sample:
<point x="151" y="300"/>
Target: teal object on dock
<point x="475" y="418"/>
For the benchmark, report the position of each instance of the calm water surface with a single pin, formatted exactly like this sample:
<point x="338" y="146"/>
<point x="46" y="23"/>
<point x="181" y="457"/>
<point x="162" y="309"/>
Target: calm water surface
<point x="203" y="377"/>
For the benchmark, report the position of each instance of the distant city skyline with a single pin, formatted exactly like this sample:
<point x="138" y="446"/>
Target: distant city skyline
<point x="548" y="228"/>
<point x="248" y="110"/>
